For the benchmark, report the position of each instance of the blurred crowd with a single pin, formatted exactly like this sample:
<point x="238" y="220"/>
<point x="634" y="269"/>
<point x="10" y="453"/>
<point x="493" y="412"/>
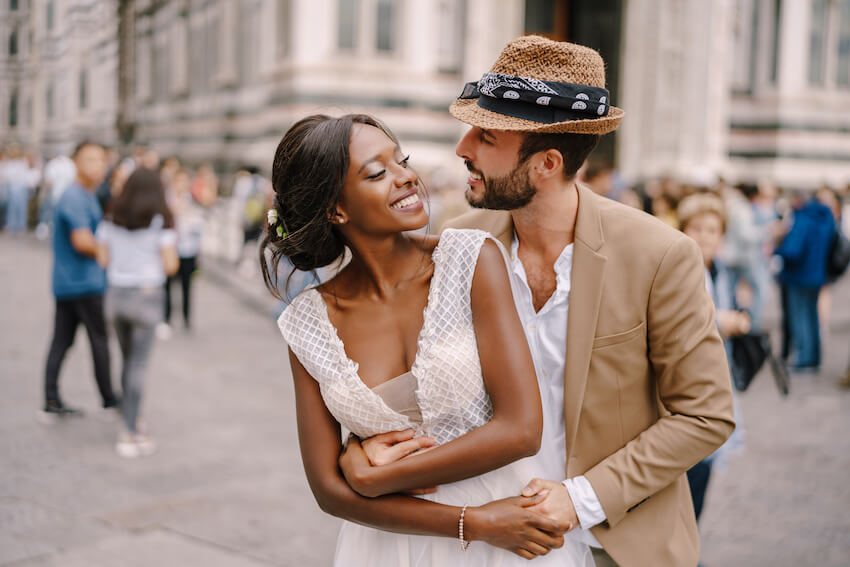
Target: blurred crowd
<point x="768" y="243"/>
<point x="123" y="229"/>
<point x="145" y="219"/>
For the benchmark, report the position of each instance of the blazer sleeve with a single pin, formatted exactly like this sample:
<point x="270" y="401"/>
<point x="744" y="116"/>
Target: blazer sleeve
<point x="692" y="381"/>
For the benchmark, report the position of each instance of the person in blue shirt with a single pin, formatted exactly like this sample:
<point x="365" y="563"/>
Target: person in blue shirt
<point x="79" y="282"/>
<point x="804" y="252"/>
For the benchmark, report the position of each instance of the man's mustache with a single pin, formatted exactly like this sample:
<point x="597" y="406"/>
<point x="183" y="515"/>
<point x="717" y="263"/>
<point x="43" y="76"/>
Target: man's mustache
<point x="471" y="168"/>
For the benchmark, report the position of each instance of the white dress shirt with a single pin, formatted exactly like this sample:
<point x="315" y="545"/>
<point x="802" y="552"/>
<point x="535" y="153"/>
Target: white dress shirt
<point x="546" y="332"/>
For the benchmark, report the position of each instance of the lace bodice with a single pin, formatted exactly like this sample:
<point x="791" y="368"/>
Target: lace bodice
<point x="451" y="391"/>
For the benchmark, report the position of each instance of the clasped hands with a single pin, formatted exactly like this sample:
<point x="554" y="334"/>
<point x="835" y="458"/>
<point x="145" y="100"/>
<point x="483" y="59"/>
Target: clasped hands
<point x="529" y="525"/>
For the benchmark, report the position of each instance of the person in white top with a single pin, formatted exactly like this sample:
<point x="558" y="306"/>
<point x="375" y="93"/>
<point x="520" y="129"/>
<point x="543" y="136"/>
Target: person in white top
<point x="416" y="334"/>
<point x="189" y="221"/>
<point x="59" y="173"/>
<point x="137" y="246"/>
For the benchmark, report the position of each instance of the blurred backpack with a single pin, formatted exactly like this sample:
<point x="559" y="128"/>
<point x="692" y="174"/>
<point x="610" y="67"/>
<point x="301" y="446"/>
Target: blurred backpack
<point x="839" y="256"/>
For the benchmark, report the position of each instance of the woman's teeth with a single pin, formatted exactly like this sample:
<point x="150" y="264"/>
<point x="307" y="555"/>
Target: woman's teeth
<point x="406" y="202"/>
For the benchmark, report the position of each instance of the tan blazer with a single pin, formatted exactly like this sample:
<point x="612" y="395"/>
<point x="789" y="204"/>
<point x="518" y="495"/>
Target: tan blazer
<point x="647" y="392"/>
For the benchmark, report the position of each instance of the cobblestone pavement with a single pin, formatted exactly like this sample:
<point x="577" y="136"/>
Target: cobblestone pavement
<point x="226" y="487"/>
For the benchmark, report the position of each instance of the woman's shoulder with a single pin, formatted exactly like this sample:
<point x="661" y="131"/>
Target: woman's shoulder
<point x="300" y="316"/>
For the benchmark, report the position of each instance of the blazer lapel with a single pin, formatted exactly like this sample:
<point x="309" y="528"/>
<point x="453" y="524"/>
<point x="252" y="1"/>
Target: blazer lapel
<point x="585" y="294"/>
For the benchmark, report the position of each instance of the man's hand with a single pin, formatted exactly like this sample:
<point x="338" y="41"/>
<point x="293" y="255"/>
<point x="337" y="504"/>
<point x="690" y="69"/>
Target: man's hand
<point x="557" y="504"/>
<point x="386" y="448"/>
<point x="512" y="524"/>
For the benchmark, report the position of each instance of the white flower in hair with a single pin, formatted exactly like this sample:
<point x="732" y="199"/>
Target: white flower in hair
<point x="271" y="216"/>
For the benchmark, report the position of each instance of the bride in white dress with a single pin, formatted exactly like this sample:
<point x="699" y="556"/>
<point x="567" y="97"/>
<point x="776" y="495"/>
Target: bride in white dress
<point x="392" y="343"/>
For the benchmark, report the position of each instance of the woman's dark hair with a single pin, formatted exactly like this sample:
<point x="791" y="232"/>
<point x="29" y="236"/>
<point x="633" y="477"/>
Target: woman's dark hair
<point x="574" y="148"/>
<point x="141" y="199"/>
<point x="308" y="173"/>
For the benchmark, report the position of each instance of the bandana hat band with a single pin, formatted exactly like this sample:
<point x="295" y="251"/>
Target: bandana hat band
<point x="540" y="101"/>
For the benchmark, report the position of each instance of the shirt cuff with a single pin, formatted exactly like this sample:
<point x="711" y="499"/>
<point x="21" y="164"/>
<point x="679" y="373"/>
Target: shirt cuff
<point x="588" y="508"/>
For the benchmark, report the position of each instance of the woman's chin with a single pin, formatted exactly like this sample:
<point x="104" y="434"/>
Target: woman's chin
<point x="416" y="223"/>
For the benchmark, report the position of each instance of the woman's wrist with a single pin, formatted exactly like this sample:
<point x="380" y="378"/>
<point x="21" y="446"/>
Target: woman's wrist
<point x="473" y="522"/>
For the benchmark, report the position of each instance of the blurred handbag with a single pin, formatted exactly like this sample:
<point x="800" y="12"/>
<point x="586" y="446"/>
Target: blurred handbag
<point x="749" y="353"/>
<point x="839" y="255"/>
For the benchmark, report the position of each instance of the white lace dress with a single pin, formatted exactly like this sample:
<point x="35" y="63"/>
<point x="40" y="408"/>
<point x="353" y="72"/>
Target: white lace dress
<point x="451" y="396"/>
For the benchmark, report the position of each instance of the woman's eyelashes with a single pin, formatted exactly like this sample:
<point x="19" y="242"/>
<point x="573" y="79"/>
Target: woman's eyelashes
<point x="403" y="162"/>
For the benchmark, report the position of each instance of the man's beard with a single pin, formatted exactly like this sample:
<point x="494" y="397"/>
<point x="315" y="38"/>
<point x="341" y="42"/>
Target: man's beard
<point x="506" y="193"/>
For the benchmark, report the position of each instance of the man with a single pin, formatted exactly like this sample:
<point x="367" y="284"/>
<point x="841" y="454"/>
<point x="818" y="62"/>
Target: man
<point x="78" y="281"/>
<point x="632" y="371"/>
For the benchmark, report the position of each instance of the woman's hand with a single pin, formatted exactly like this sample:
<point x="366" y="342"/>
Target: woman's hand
<point x="510" y="525"/>
<point x="359" y="466"/>
<point x="733" y="323"/>
<point x="386" y="448"/>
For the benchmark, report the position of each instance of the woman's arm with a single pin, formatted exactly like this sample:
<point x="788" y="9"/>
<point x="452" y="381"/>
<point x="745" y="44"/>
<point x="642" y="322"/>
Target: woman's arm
<point x="517" y="424"/>
<point x="170" y="261"/>
<point x="504" y="523"/>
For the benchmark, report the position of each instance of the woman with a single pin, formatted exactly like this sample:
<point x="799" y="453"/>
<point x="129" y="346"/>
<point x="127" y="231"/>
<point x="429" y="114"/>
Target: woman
<point x="421" y="310"/>
<point x="189" y="222"/>
<point x="702" y="217"/>
<point x="137" y="246"/>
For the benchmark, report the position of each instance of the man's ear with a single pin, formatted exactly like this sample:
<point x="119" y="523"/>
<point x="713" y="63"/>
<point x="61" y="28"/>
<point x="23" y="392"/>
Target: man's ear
<point x="548" y="164"/>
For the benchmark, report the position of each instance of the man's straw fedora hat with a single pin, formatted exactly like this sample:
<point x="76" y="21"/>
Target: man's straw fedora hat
<point x="540" y="85"/>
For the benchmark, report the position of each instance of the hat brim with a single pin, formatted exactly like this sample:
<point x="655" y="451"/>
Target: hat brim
<point x="468" y="111"/>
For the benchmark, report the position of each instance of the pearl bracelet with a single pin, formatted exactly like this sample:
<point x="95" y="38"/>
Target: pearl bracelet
<point x="463" y="543"/>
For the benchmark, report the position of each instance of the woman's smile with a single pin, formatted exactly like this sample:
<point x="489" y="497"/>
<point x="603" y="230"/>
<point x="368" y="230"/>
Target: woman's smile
<point x="410" y="201"/>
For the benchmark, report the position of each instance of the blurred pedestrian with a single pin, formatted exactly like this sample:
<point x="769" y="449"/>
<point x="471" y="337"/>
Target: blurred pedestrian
<point x="599" y="176"/>
<point x="205" y="185"/>
<point x="743" y="252"/>
<point x="189" y="221"/>
<point x="703" y="219"/>
<point x="137" y="245"/>
<point x="78" y="281"/>
<point x="828" y="197"/>
<point x="19" y="182"/>
<point x="59" y="174"/>
<point x="804" y="252"/>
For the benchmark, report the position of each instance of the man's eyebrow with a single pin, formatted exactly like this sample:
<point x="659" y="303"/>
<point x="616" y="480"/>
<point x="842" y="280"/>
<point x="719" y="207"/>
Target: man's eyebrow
<point x="375" y="157"/>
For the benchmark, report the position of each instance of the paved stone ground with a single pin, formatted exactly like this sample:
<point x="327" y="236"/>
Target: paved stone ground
<point x="226" y="487"/>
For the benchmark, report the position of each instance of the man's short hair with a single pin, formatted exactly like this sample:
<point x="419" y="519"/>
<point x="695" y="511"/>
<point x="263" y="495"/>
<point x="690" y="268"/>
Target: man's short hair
<point x="574" y="148"/>
<point x="85" y="143"/>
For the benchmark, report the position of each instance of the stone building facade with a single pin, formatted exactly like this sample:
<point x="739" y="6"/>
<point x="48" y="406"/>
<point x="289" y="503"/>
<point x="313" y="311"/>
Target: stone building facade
<point x="57" y="68"/>
<point x="748" y="89"/>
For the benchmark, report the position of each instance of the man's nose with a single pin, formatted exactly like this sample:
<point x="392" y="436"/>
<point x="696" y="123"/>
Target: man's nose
<point x="465" y="146"/>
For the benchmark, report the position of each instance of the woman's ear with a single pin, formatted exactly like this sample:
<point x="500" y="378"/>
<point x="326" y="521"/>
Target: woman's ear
<point x="338" y="216"/>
